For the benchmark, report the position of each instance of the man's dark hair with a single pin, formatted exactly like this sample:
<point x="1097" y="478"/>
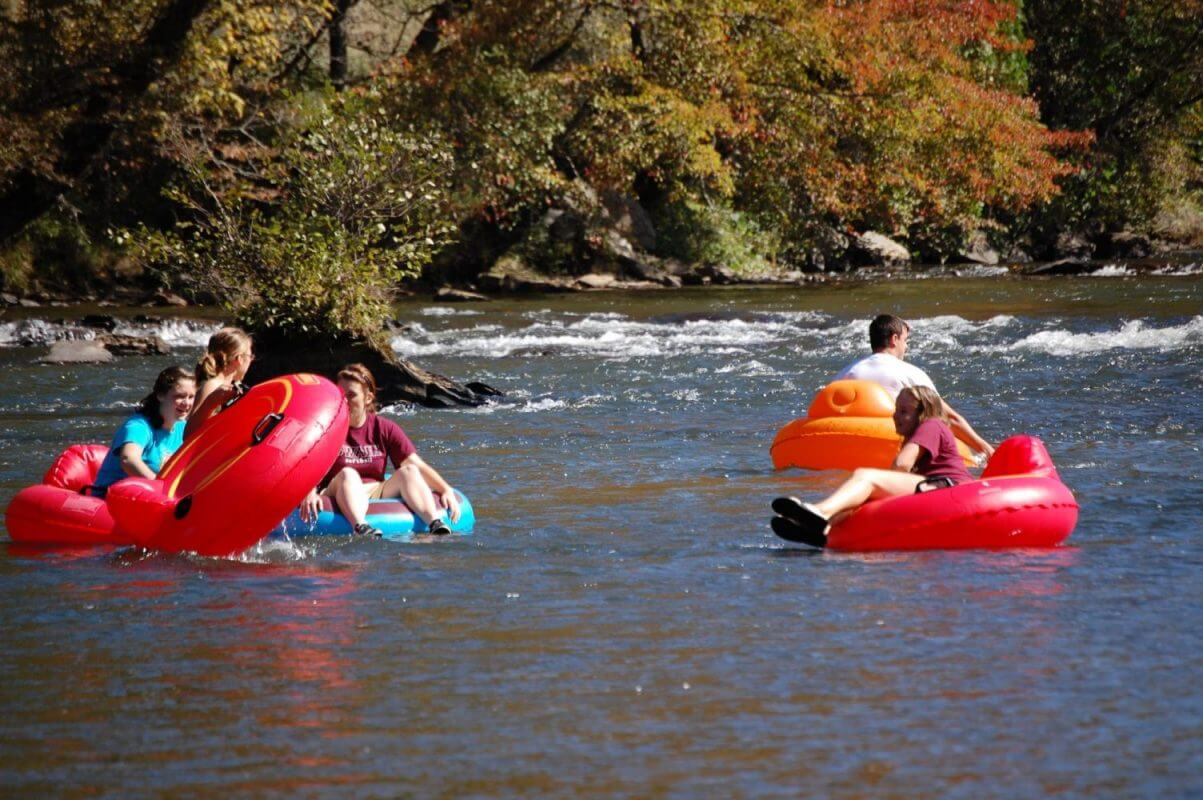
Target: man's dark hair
<point x="882" y="328"/>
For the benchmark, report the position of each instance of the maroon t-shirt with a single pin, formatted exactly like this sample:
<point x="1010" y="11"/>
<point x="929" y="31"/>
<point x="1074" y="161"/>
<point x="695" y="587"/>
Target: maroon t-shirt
<point x="370" y="447"/>
<point x="938" y="454"/>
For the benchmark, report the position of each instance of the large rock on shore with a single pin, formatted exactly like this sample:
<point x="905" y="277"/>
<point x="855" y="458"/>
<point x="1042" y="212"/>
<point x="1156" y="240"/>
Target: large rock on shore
<point x="1122" y="244"/>
<point x="77" y="352"/>
<point x="977" y="250"/>
<point x="511" y="273"/>
<point x="126" y="345"/>
<point x="872" y="249"/>
<point x="629" y="219"/>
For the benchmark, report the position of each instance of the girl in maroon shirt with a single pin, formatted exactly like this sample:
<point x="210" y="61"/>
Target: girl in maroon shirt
<point x="358" y="475"/>
<point x="928" y="459"/>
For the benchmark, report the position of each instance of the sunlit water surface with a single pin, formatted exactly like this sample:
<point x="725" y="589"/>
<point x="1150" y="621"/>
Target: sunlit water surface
<point x="623" y="622"/>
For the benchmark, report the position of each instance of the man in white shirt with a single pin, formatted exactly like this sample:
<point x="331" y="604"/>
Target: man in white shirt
<point x="887" y="338"/>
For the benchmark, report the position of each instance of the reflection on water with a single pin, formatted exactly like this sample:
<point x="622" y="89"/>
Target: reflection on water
<point x="623" y="622"/>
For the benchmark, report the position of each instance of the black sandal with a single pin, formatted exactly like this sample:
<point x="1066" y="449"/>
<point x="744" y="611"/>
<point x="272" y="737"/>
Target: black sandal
<point x="366" y="529"/>
<point x="805" y="514"/>
<point x="793" y="532"/>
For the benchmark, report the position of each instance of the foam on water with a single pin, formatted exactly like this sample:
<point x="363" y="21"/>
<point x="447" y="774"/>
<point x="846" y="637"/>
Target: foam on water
<point x="177" y="333"/>
<point x="1132" y="335"/>
<point x="1180" y="270"/>
<point x="1111" y="271"/>
<point x="607" y="336"/>
<point x="444" y="311"/>
<point x="613" y="336"/>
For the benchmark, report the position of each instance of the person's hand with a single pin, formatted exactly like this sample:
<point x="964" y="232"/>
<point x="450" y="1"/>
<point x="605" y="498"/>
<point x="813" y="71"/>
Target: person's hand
<point x="449" y="501"/>
<point x="311" y="506"/>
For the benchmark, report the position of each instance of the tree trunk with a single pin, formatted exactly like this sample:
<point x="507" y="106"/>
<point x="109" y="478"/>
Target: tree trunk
<point x="338" y="45"/>
<point x="431" y="35"/>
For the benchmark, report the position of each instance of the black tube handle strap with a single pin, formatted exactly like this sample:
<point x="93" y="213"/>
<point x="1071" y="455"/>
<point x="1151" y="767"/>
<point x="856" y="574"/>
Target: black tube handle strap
<point x="264" y="427"/>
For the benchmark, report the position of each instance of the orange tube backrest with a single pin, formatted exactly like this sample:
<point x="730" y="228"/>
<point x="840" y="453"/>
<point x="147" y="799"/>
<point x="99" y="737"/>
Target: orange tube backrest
<point x="850" y="398"/>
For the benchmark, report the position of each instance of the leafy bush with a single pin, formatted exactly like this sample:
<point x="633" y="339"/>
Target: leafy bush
<point x="55" y="251"/>
<point x="349" y="205"/>
<point x="709" y="234"/>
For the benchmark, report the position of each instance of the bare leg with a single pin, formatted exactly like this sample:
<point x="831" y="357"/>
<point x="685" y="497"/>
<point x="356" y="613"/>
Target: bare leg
<point x="349" y="495"/>
<point x="867" y="484"/>
<point x="408" y="484"/>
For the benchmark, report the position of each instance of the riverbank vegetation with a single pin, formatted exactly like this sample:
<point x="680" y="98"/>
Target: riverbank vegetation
<point x="298" y="160"/>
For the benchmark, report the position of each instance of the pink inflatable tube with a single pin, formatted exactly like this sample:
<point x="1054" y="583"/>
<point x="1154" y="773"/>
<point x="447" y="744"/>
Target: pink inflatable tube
<point x="1019" y="502"/>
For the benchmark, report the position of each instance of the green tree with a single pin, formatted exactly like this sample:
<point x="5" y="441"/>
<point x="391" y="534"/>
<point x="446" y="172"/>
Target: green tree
<point x="347" y="206"/>
<point x="1130" y="71"/>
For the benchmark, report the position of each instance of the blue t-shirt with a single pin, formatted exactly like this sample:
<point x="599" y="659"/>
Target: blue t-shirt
<point x="157" y="446"/>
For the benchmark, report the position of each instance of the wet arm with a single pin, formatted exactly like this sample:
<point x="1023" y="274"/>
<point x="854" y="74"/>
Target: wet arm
<point x="906" y="458"/>
<point x="130" y="456"/>
<point x="433" y="479"/>
<point x="965" y="431"/>
<point x="206" y="405"/>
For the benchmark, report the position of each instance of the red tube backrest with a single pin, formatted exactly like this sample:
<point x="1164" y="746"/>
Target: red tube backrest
<point x="76" y="467"/>
<point x="1020" y="455"/>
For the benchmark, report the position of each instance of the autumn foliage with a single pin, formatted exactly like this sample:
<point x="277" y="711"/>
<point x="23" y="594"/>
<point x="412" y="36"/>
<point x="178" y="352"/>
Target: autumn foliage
<point x="773" y="121"/>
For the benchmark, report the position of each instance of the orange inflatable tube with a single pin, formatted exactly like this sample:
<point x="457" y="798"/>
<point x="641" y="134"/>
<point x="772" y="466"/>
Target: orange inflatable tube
<point x="849" y="424"/>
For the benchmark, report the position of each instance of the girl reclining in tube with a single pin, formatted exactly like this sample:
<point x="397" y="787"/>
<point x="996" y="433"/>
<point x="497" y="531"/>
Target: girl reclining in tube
<point x="927" y="460"/>
<point x="148" y="438"/>
<point x="357" y="476"/>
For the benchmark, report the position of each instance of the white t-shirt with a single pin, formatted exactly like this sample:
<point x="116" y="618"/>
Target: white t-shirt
<point x="892" y="373"/>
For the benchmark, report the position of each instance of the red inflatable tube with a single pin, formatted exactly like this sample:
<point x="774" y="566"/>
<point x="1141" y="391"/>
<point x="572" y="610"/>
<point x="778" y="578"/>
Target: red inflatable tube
<point x="245" y="470"/>
<point x="224" y="490"/>
<point x="52" y="515"/>
<point x="54" y="512"/>
<point x="1019" y="502"/>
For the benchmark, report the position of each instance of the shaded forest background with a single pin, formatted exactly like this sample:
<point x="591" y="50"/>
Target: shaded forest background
<point x="317" y="154"/>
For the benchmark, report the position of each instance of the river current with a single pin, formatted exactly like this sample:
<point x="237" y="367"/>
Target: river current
<point x="623" y="622"/>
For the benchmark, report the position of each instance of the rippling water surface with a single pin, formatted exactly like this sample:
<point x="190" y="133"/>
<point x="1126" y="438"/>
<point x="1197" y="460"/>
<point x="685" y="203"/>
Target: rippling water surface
<point x="623" y="622"/>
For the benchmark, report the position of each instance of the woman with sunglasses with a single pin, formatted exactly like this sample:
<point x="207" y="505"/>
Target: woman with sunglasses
<point x="219" y="374"/>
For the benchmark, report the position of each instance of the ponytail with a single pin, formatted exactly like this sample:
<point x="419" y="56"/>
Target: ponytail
<point x="223" y="346"/>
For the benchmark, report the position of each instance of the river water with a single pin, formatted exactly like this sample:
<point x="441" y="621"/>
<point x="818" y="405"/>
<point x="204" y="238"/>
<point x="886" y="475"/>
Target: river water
<point x="623" y="622"/>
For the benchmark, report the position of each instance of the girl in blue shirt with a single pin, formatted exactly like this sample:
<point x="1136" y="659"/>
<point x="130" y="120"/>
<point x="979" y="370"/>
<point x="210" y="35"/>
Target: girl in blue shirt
<point x="150" y="436"/>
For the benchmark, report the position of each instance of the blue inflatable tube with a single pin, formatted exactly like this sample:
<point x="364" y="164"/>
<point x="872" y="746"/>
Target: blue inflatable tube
<point x="392" y="517"/>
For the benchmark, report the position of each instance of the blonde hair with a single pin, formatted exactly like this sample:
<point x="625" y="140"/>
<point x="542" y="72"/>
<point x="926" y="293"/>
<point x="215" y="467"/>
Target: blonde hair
<point x="223" y="346"/>
<point x="929" y="403"/>
<point x="363" y="376"/>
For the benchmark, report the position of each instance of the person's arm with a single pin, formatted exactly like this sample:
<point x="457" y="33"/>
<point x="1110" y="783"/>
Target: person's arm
<point x="906" y="458"/>
<point x="130" y="457"/>
<point x="311" y="506"/>
<point x="965" y="432"/>
<point x="440" y="487"/>
<point x="208" y="402"/>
